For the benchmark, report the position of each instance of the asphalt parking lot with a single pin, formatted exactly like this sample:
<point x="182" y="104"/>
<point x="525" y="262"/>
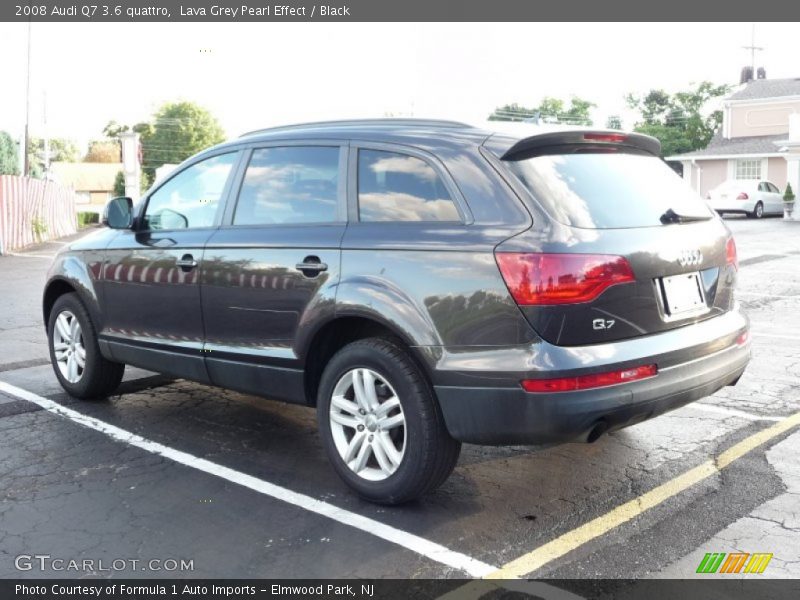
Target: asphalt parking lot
<point x="239" y="486"/>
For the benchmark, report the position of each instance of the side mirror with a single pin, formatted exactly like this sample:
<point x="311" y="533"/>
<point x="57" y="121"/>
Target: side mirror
<point x="118" y="213"/>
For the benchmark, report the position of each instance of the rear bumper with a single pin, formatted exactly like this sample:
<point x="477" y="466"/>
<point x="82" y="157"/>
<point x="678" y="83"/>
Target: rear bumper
<point x="734" y="206"/>
<point x="509" y="415"/>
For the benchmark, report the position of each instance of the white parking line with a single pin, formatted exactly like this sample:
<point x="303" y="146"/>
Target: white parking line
<point x="419" y="545"/>
<point x="732" y="412"/>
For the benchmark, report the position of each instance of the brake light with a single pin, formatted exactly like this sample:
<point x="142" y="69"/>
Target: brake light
<point x="534" y="278"/>
<point x="743" y="338"/>
<point x="585" y="382"/>
<point x="742" y="196"/>
<point x="605" y="137"/>
<point x="731" y="257"/>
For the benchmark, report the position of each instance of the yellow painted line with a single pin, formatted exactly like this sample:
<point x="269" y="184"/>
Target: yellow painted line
<point x="571" y="540"/>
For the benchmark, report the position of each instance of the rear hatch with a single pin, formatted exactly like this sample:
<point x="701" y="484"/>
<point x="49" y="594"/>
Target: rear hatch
<point x="621" y="247"/>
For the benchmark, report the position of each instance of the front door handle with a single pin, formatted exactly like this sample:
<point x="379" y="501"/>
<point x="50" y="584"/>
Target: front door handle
<point x="311" y="266"/>
<point x="186" y="262"/>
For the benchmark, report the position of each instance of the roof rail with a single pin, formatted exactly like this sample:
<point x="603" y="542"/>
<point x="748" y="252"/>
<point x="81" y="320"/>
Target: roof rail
<point x="362" y="123"/>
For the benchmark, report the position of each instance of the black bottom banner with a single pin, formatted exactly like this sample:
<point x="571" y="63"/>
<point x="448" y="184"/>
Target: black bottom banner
<point x="447" y="589"/>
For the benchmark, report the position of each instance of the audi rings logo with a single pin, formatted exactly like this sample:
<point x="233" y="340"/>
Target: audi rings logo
<point x="690" y="258"/>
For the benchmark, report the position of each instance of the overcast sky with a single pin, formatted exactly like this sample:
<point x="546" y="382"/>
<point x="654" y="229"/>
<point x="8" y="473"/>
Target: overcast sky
<point x="253" y="75"/>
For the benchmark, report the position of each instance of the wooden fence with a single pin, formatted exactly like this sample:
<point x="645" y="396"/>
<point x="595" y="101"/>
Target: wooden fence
<point x="34" y="210"/>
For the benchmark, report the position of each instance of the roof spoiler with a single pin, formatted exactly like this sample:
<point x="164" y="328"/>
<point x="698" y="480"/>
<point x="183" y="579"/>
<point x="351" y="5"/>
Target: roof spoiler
<point x="565" y="142"/>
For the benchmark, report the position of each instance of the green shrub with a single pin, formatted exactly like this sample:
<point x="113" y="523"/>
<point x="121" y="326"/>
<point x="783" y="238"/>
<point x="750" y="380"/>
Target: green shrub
<point x="788" y="195"/>
<point x="39" y="227"/>
<point x="87" y="218"/>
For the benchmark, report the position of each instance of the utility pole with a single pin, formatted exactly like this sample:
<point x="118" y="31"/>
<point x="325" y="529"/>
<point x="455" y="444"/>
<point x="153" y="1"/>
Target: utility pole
<point x="46" y="136"/>
<point x="26" y="162"/>
<point x="753" y="48"/>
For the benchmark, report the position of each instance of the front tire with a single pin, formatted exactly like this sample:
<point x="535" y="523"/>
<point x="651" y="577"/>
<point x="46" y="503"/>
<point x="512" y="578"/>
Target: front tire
<point x="74" y="353"/>
<point x="381" y="425"/>
<point x="758" y="211"/>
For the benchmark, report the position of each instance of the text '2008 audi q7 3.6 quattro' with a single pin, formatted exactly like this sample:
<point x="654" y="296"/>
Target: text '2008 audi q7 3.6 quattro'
<point x="421" y="283"/>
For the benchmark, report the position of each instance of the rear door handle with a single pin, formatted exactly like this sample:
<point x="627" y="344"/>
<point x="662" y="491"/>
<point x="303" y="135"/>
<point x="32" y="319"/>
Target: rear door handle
<point x="311" y="266"/>
<point x="186" y="262"/>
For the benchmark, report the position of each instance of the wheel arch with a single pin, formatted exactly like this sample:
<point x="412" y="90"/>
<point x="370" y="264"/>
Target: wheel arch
<point x="53" y="291"/>
<point x="57" y="287"/>
<point x="336" y="333"/>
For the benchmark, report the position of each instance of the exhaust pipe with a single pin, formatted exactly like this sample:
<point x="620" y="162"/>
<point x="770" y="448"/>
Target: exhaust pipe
<point x="599" y="429"/>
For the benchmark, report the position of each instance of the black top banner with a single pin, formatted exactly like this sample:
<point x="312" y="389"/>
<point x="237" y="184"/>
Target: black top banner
<point x="397" y="10"/>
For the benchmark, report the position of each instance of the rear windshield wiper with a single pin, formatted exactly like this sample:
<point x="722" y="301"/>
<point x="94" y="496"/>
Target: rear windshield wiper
<point x="672" y="217"/>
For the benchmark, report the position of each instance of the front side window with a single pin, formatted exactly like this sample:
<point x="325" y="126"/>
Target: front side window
<point x="399" y="187"/>
<point x="295" y="184"/>
<point x="748" y="169"/>
<point x="191" y="198"/>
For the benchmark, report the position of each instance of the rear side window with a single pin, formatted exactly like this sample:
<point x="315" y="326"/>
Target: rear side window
<point x="607" y="191"/>
<point x="295" y="184"/>
<point x="399" y="187"/>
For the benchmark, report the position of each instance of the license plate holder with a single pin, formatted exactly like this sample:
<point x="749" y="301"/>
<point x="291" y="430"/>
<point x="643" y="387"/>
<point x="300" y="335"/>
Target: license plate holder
<point x="683" y="294"/>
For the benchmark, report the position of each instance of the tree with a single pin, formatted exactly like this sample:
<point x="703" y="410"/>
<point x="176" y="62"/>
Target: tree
<point x="614" y="122"/>
<point x="113" y="129"/>
<point x="679" y="120"/>
<point x="178" y="130"/>
<point x="119" y="185"/>
<point x="9" y="161"/>
<point x="103" y="151"/>
<point x="512" y="112"/>
<point x="578" y="112"/>
<point x="61" y="150"/>
<point x="550" y="110"/>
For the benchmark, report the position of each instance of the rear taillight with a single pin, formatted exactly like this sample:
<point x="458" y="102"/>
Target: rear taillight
<point x="585" y="382"/>
<point x="742" y="196"/>
<point x="743" y="338"/>
<point x="534" y="278"/>
<point x="730" y="253"/>
<point x="615" y="138"/>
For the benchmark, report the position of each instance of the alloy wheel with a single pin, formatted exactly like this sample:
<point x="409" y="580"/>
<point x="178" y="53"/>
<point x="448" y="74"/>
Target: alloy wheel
<point x="68" y="348"/>
<point x="368" y="424"/>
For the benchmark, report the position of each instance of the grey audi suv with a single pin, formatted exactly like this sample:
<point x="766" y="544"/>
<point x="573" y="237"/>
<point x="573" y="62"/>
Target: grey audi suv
<point x="421" y="283"/>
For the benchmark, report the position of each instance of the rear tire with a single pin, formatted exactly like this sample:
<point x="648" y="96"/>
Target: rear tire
<point x="407" y="450"/>
<point x="758" y="211"/>
<point x="74" y="353"/>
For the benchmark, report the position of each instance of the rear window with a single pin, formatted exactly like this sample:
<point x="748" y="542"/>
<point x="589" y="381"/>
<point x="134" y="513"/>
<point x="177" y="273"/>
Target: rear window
<point x="607" y="191"/>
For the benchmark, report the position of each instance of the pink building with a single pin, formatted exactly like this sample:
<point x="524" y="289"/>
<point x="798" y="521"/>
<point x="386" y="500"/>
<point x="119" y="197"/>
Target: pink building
<point x="754" y="140"/>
